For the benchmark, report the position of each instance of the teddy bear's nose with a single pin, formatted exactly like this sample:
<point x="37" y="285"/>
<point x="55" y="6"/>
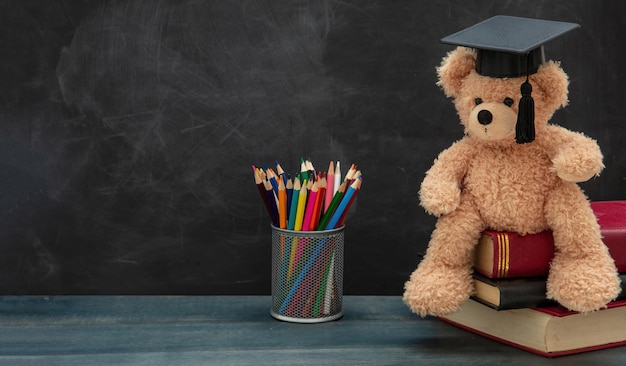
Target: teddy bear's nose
<point x="485" y="117"/>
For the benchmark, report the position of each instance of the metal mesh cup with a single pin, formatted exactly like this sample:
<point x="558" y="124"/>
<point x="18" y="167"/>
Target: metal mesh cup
<point x="307" y="275"/>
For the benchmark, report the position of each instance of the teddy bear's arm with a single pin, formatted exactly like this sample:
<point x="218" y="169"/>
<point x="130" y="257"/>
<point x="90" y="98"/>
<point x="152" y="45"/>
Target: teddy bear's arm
<point x="440" y="192"/>
<point x="575" y="157"/>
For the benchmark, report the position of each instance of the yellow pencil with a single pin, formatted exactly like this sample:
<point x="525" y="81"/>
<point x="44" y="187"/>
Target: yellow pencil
<point x="301" y="205"/>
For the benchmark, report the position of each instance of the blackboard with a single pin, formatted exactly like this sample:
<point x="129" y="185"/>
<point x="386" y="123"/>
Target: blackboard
<point x="128" y="129"/>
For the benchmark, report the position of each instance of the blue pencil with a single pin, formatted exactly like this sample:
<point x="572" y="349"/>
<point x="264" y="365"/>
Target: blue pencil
<point x="342" y="206"/>
<point x="293" y="208"/>
<point x="281" y="172"/>
<point x="271" y="202"/>
<point x="271" y="177"/>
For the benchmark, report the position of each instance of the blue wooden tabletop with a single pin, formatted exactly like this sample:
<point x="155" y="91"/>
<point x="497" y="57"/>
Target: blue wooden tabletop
<point x="238" y="330"/>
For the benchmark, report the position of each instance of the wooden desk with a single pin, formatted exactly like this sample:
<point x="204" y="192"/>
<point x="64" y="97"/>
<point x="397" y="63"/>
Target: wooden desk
<point x="238" y="330"/>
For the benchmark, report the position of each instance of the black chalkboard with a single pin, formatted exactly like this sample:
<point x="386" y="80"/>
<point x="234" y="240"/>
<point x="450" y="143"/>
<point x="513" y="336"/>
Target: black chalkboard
<point x="128" y="128"/>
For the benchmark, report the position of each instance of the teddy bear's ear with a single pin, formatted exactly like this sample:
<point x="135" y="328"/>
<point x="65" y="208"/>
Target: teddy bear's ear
<point x="454" y="68"/>
<point x="553" y="82"/>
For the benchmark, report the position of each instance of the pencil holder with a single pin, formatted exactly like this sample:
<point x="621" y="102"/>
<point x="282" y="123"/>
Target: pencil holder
<point x="307" y="275"/>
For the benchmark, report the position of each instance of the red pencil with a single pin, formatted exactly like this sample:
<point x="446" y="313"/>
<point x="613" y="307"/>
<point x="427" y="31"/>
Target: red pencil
<point x="258" y="180"/>
<point x="319" y="204"/>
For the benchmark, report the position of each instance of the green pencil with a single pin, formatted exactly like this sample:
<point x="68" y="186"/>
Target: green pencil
<point x="295" y="193"/>
<point x="332" y="207"/>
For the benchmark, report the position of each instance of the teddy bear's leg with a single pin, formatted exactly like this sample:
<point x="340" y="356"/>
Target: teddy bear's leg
<point x="582" y="275"/>
<point x="443" y="280"/>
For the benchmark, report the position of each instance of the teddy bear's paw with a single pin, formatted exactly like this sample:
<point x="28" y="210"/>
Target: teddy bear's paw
<point x="577" y="168"/>
<point x="438" y="293"/>
<point x="583" y="286"/>
<point x="440" y="198"/>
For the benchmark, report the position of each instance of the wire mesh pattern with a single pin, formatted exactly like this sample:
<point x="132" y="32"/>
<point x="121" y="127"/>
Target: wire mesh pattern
<point x="307" y="275"/>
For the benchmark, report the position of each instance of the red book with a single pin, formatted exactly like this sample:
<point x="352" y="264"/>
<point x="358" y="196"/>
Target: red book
<point x="510" y="255"/>
<point x="550" y="331"/>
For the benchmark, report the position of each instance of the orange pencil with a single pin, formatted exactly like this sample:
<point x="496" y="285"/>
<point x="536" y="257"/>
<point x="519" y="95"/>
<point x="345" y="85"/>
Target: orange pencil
<point x="282" y="203"/>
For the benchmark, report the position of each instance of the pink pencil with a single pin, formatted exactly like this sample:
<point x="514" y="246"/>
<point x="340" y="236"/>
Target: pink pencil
<point x="330" y="185"/>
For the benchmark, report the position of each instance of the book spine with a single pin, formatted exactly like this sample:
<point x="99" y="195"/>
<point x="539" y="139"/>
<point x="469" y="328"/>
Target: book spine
<point x="518" y="256"/>
<point x="525" y="293"/>
<point x="530" y="256"/>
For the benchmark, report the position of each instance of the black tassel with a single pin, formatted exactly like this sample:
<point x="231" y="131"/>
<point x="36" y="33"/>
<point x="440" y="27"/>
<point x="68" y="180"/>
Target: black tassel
<point x="525" y="127"/>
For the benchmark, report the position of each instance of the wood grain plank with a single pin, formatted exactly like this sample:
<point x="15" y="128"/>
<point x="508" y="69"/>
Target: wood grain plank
<point x="238" y="330"/>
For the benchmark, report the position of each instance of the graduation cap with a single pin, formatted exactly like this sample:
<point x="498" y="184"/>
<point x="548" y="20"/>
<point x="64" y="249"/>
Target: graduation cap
<point x="509" y="46"/>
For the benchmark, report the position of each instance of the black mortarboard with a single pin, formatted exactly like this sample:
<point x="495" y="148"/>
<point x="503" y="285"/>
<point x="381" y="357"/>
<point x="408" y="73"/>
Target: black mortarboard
<point x="509" y="46"/>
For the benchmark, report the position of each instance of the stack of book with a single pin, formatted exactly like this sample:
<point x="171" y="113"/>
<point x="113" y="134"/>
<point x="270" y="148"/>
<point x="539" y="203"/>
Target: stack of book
<point x="510" y="305"/>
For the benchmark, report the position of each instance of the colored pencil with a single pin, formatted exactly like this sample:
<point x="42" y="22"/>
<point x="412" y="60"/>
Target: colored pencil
<point x="289" y="188"/>
<point x="329" y="285"/>
<point x="337" y="175"/>
<point x="310" y="207"/>
<point x="304" y="173"/>
<point x="258" y="180"/>
<point x="321" y="287"/>
<point x="282" y="203"/>
<point x="332" y="224"/>
<point x="292" y="258"/>
<point x="271" y="201"/>
<point x="342" y="219"/>
<point x="310" y="168"/>
<point x="319" y="204"/>
<point x="350" y="175"/>
<point x="301" y="276"/>
<point x="333" y="206"/>
<point x="294" y="203"/>
<point x="330" y="185"/>
<point x="301" y="207"/>
<point x="281" y="172"/>
<point x="271" y="176"/>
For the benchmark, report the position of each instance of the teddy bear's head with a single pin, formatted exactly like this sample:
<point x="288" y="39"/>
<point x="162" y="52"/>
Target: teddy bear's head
<point x="488" y="106"/>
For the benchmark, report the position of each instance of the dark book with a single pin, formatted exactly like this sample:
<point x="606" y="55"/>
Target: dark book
<point x="504" y="294"/>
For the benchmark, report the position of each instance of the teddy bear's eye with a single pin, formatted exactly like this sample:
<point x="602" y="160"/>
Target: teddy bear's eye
<point x="508" y="101"/>
<point x="478" y="101"/>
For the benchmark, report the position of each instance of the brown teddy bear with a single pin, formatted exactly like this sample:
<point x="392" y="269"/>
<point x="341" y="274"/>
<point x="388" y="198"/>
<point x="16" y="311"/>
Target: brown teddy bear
<point x="488" y="180"/>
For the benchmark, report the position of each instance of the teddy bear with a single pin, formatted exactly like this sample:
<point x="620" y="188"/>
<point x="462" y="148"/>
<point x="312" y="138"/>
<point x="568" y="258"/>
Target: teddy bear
<point x="487" y="180"/>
